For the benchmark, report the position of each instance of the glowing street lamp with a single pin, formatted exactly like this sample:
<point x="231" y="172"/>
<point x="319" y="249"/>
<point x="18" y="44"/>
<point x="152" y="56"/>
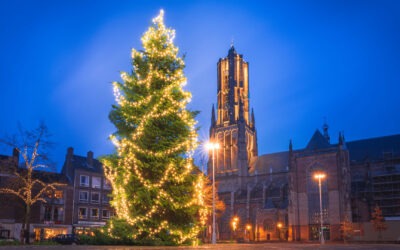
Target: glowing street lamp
<point x="247" y="232"/>
<point x="213" y="147"/>
<point x="279" y="225"/>
<point x="319" y="176"/>
<point x="235" y="222"/>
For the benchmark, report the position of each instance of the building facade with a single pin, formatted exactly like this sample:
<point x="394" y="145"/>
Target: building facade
<point x="275" y="196"/>
<point x="91" y="190"/>
<point x="78" y="206"/>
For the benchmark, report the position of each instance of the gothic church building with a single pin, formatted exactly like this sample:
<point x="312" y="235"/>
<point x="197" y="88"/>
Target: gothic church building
<point x="275" y="196"/>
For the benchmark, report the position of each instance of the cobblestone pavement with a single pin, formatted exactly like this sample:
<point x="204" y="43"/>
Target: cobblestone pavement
<point x="272" y="246"/>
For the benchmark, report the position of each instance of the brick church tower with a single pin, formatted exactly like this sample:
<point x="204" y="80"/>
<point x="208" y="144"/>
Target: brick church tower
<point x="232" y="125"/>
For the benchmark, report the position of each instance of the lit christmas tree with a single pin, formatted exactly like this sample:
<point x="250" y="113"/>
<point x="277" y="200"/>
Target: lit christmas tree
<point x="151" y="173"/>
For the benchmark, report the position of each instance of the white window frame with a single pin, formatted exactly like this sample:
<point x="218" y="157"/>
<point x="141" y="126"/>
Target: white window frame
<point x="96" y="184"/>
<point x="87" y="196"/>
<point x="86" y="183"/>
<point x="91" y="213"/>
<point x="83" y="216"/>
<point x="95" y="201"/>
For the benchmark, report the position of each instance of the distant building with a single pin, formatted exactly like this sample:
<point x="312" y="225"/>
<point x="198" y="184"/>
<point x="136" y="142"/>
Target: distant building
<point x="47" y="218"/>
<point x="78" y="207"/>
<point x="275" y="196"/>
<point x="91" y="207"/>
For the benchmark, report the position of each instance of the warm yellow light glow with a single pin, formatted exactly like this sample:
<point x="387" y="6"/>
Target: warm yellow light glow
<point x="235" y="222"/>
<point x="158" y="103"/>
<point x="319" y="175"/>
<point x="248" y="226"/>
<point x="279" y="225"/>
<point x="212" y="145"/>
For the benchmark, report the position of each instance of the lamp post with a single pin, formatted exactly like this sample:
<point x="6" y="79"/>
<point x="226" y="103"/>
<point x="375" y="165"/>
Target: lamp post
<point x="235" y="222"/>
<point x="247" y="232"/>
<point x="319" y="177"/>
<point x="279" y="230"/>
<point x="213" y="147"/>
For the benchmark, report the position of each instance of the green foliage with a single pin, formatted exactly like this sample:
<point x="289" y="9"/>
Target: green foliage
<point x="151" y="171"/>
<point x="9" y="242"/>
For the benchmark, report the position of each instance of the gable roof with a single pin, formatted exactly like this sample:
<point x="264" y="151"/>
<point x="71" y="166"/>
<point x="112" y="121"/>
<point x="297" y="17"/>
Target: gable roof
<point x="81" y="162"/>
<point x="318" y="141"/>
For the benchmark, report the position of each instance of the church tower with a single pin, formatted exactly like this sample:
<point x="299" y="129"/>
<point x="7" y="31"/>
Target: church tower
<point x="232" y="125"/>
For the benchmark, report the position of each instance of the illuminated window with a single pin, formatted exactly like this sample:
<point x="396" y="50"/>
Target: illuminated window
<point x="83" y="196"/>
<point x="82" y="213"/>
<point x="95" y="197"/>
<point x="58" y="194"/>
<point x="84" y="181"/>
<point x="96" y="182"/>
<point x="95" y="213"/>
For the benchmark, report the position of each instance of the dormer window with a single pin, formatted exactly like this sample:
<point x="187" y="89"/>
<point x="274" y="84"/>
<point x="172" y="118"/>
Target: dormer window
<point x="84" y="181"/>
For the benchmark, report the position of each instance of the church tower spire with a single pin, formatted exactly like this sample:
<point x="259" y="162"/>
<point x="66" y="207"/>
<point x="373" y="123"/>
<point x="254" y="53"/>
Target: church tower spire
<point x="253" y="120"/>
<point x="212" y="116"/>
<point x="232" y="126"/>
<point x="325" y="128"/>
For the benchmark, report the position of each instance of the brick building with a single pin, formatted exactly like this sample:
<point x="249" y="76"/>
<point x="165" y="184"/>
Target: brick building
<point x="79" y="206"/>
<point x="274" y="196"/>
<point x="47" y="219"/>
<point x="91" y="191"/>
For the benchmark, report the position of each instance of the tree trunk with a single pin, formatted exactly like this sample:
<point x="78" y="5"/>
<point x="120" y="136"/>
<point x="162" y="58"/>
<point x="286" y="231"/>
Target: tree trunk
<point x="27" y="224"/>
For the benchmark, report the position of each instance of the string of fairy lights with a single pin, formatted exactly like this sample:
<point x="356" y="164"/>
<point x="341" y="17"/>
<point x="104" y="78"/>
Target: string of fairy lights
<point x="170" y="99"/>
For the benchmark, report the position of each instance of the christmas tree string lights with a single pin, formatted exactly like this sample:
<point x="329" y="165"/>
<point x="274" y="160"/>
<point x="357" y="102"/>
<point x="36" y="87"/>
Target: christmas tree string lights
<point x="154" y="190"/>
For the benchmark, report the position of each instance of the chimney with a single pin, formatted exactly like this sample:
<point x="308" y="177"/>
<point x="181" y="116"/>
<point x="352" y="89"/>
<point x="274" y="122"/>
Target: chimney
<point x="89" y="158"/>
<point x="67" y="167"/>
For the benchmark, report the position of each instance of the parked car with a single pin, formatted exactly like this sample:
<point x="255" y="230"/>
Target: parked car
<point x="66" y="239"/>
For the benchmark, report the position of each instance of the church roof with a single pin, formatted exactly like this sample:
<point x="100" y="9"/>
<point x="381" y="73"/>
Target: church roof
<point x="276" y="162"/>
<point x="318" y="141"/>
<point x="374" y="149"/>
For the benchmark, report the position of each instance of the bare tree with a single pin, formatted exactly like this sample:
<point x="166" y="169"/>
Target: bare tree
<point x="33" y="146"/>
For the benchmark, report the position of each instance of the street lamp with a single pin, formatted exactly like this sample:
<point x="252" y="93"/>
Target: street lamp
<point x="247" y="232"/>
<point x="213" y="147"/>
<point x="279" y="225"/>
<point x="319" y="176"/>
<point x="235" y="222"/>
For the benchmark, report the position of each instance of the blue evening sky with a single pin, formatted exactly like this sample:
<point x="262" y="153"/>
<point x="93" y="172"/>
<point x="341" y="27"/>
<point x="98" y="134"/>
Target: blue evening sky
<point x="308" y="60"/>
